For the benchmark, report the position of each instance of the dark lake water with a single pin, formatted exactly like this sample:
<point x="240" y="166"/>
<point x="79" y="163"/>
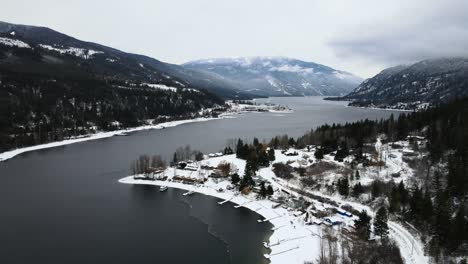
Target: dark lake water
<point x="64" y="204"/>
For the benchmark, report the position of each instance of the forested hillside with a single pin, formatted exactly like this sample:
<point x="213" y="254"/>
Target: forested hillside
<point x="434" y="196"/>
<point x="49" y="93"/>
<point x="415" y="86"/>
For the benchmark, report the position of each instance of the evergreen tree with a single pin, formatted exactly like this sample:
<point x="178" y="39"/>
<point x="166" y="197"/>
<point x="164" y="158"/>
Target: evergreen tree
<point x="357" y="189"/>
<point x="235" y="179"/>
<point x="318" y="154"/>
<point x="251" y="165"/>
<point x="403" y="193"/>
<point x="263" y="190"/>
<point x="342" y="152"/>
<point x="458" y="232"/>
<point x="427" y="209"/>
<point x="416" y="204"/>
<point x="394" y="200"/>
<point x="375" y="190"/>
<point x="363" y="225"/>
<point x="271" y="154"/>
<point x="276" y="143"/>
<point x="270" y="190"/>
<point x="343" y="186"/>
<point x="239" y="149"/>
<point x="357" y="176"/>
<point x="263" y="159"/>
<point x="256" y="143"/>
<point x="380" y="223"/>
<point x="247" y="180"/>
<point x="457" y="182"/>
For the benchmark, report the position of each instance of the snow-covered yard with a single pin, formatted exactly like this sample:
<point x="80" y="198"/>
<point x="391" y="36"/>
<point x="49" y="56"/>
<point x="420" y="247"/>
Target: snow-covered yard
<point x="296" y="232"/>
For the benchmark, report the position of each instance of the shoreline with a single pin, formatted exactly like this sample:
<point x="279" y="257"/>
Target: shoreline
<point x="296" y="235"/>
<point x="289" y="234"/>
<point x="382" y="109"/>
<point x="4" y="156"/>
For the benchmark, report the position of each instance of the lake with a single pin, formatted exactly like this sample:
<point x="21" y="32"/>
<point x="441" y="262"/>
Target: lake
<point x="64" y="204"/>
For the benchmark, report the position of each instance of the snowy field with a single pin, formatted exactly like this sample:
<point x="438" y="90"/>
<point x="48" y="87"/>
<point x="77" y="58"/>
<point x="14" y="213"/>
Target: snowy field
<point x="296" y="238"/>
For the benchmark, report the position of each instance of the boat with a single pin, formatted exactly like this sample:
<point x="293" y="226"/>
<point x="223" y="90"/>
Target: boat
<point x="163" y="188"/>
<point x="188" y="193"/>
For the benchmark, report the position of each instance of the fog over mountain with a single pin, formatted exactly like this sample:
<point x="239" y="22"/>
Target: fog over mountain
<point x="278" y="76"/>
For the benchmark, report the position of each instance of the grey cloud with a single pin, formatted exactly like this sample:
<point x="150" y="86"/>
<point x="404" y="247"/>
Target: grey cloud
<point x="439" y="31"/>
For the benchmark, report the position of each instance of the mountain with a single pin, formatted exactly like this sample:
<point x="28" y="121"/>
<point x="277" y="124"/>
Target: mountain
<point x="278" y="76"/>
<point x="53" y="86"/>
<point x="109" y="61"/>
<point x="414" y="86"/>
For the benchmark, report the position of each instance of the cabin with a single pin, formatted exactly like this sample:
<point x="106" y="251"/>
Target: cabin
<point x="191" y="167"/>
<point x="298" y="213"/>
<point x="181" y="165"/>
<point x="291" y="153"/>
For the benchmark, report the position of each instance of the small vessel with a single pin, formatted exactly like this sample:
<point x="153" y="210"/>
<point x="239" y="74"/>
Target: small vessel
<point x="188" y="193"/>
<point x="163" y="188"/>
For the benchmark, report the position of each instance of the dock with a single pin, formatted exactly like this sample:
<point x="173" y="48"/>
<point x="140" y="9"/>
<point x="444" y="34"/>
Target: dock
<point x="225" y="201"/>
<point x="240" y="205"/>
<point x="268" y="219"/>
<point x="268" y="256"/>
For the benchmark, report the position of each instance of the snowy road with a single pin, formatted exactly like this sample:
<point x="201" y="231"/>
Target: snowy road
<point x="411" y="248"/>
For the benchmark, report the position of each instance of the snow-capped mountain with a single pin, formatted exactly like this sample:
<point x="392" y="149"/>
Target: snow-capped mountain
<point x="278" y="76"/>
<point x="417" y="85"/>
<point x="56" y="49"/>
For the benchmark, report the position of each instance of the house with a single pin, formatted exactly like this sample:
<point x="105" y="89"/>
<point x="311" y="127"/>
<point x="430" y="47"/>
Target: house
<point x="191" y="167"/>
<point x="181" y="165"/>
<point x="290" y="152"/>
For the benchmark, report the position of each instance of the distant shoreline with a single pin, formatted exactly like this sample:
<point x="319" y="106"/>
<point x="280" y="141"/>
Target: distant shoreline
<point x="382" y="109"/>
<point x="4" y="156"/>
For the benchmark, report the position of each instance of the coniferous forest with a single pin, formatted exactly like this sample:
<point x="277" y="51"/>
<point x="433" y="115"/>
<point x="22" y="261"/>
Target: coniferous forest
<point x="436" y="205"/>
<point x="42" y="102"/>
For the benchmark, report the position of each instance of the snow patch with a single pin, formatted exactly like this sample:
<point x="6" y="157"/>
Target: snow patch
<point x="78" y="52"/>
<point x="161" y="87"/>
<point x="292" y="68"/>
<point x="14" y="43"/>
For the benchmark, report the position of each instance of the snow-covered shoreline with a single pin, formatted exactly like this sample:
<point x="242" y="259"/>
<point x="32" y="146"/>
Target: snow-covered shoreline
<point x="291" y="241"/>
<point x="100" y="135"/>
<point x="382" y="109"/>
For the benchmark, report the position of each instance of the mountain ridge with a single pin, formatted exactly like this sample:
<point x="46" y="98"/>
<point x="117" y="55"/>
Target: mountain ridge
<point x="414" y="86"/>
<point x="278" y="76"/>
<point x="44" y="37"/>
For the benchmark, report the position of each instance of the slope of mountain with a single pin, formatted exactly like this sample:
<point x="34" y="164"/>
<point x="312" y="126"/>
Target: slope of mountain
<point x="53" y="86"/>
<point x="120" y="65"/>
<point x="277" y="76"/>
<point x="414" y="86"/>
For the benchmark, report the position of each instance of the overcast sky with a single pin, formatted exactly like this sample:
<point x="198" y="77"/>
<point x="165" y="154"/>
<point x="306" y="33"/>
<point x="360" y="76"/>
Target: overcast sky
<point x="359" y="36"/>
